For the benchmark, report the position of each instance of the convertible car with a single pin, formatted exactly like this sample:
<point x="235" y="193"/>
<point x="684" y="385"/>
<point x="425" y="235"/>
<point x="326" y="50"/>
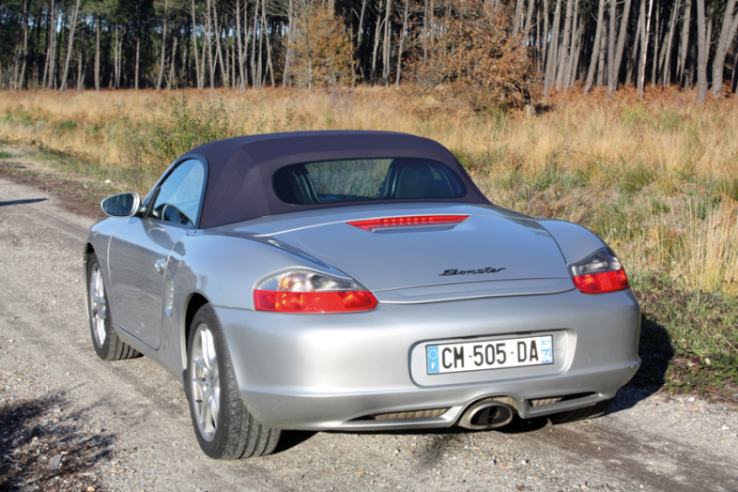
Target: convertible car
<point x="354" y="280"/>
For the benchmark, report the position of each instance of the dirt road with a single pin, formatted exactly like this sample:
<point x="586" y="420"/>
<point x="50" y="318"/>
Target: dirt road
<point x="69" y="421"/>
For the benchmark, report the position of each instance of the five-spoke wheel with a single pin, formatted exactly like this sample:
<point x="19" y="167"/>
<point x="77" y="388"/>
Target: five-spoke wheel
<point x="223" y="425"/>
<point x="205" y="381"/>
<point x="104" y="338"/>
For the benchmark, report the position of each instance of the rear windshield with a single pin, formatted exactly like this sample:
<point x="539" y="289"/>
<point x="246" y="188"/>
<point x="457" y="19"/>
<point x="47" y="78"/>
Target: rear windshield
<point x="366" y="179"/>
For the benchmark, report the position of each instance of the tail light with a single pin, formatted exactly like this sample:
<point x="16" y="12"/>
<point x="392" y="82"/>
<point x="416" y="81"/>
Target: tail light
<point x="599" y="273"/>
<point x="304" y="291"/>
<point x="419" y="220"/>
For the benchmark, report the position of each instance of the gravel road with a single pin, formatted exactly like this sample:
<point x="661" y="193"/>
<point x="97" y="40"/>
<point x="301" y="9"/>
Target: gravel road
<point x="69" y="421"/>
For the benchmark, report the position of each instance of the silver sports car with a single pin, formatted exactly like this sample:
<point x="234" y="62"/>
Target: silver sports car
<point x="354" y="280"/>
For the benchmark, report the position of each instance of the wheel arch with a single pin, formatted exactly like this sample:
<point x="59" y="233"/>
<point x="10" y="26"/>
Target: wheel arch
<point x="194" y="303"/>
<point x="87" y="253"/>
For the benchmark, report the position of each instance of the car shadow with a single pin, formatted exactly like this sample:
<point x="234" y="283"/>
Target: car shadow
<point x="41" y="442"/>
<point x="291" y="438"/>
<point x="655" y="351"/>
<point x="22" y="202"/>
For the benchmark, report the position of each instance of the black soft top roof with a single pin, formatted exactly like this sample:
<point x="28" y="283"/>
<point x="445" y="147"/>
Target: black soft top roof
<point x="241" y="169"/>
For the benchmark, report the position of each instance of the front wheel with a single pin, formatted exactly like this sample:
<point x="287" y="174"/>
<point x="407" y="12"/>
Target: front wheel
<point x="224" y="427"/>
<point x="104" y="338"/>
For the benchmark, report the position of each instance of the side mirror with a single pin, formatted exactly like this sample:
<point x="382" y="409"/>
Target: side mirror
<point x="121" y="205"/>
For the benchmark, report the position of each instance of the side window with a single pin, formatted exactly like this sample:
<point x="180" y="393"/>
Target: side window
<point x="181" y="193"/>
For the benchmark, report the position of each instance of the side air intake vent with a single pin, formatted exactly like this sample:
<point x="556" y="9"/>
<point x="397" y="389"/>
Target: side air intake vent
<point x="418" y="414"/>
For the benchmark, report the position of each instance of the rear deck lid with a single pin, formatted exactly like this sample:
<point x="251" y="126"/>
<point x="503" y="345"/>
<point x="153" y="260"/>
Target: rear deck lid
<point x="504" y="254"/>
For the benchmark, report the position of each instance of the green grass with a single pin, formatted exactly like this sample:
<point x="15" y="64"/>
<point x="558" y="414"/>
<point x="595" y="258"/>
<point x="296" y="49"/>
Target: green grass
<point x="5" y="155"/>
<point x="689" y="340"/>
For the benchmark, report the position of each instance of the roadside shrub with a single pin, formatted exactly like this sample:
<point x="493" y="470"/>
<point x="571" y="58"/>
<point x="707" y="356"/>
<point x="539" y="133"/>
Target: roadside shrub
<point x="476" y="60"/>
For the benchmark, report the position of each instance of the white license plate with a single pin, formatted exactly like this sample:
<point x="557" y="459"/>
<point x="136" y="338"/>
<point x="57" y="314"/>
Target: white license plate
<point x="489" y="354"/>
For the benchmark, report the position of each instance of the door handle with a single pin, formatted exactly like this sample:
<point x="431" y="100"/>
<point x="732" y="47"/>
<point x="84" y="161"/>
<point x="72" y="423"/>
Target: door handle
<point x="160" y="265"/>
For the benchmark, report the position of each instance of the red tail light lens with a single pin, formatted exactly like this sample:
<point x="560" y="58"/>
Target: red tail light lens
<point x="313" y="302"/>
<point x="420" y="220"/>
<point x="599" y="273"/>
<point x="304" y="291"/>
<point x="597" y="283"/>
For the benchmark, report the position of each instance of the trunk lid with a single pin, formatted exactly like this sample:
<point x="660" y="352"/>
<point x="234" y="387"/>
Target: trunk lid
<point x="487" y="247"/>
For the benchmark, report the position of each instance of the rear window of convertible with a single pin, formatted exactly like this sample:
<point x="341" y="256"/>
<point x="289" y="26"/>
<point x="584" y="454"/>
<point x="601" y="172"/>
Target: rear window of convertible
<point x="366" y="179"/>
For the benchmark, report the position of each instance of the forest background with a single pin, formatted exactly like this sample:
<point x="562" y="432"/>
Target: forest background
<point x="617" y="115"/>
<point x="61" y="44"/>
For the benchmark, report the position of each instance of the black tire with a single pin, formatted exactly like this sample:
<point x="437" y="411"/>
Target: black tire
<point x="590" y="412"/>
<point x="234" y="433"/>
<point x="104" y="338"/>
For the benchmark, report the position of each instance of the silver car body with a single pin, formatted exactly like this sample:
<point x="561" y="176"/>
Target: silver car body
<point x="341" y="371"/>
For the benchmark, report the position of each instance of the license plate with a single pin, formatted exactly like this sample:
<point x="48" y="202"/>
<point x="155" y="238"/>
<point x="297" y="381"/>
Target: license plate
<point x="489" y="354"/>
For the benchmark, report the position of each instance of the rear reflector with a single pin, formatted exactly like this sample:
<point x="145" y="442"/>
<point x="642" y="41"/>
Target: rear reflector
<point x="599" y="283"/>
<point x="313" y="302"/>
<point x="420" y="220"/>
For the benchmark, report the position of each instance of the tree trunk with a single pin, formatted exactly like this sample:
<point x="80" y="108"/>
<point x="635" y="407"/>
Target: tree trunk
<point x="194" y="47"/>
<point x="545" y="35"/>
<point x="644" y="53"/>
<point x="727" y="33"/>
<point x="264" y="24"/>
<point x="72" y="28"/>
<point x="50" y="29"/>
<point x="684" y="43"/>
<point x="170" y="81"/>
<point x="138" y="60"/>
<point x="601" y="57"/>
<point x="218" y="50"/>
<point x="702" y="52"/>
<point x="519" y="16"/>
<point x="21" y="52"/>
<point x="241" y="67"/>
<point x="529" y="18"/>
<point x="186" y="60"/>
<point x="254" y="78"/>
<point x="563" y="61"/>
<point x="259" y="63"/>
<point x="574" y="51"/>
<point x="119" y="50"/>
<point x="80" y="63"/>
<point x="160" y="78"/>
<point x="373" y="76"/>
<point x="386" y="48"/>
<point x="402" y="43"/>
<point x="552" y="51"/>
<point x="97" y="54"/>
<point x="617" y="59"/>
<point x="288" y="56"/>
<point x="656" y="35"/>
<point x="669" y="43"/>
<point x="425" y="28"/>
<point x="734" y="79"/>
<point x="633" y="57"/>
<point x="209" y="36"/>
<point x="595" y="48"/>
<point x="22" y="75"/>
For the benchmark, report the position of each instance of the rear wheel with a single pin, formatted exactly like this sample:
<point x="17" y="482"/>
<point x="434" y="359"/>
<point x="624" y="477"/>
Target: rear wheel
<point x="104" y="338"/>
<point x="583" y="413"/>
<point x="224" y="427"/>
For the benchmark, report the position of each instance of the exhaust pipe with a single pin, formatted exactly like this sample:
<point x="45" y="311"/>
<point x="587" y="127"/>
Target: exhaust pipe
<point x="486" y="414"/>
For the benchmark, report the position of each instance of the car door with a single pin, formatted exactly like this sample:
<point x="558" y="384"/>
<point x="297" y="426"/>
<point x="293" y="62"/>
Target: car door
<point x="140" y="248"/>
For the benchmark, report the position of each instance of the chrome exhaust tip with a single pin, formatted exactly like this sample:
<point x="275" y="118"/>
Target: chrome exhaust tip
<point x="486" y="414"/>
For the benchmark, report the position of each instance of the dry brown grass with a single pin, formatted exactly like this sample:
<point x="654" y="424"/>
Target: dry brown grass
<point x="668" y="135"/>
<point x="634" y="171"/>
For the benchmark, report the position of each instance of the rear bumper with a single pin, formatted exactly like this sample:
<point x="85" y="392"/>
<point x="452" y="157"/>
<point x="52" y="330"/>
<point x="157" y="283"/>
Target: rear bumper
<point x="318" y="372"/>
